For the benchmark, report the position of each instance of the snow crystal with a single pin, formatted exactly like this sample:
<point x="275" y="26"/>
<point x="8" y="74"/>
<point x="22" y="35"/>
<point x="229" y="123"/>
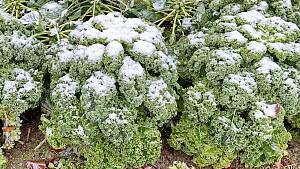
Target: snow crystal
<point x="235" y="36"/>
<point x="114" y="49"/>
<point x="256" y="47"/>
<point x="100" y="83"/>
<point x="244" y="80"/>
<point x="143" y="47"/>
<point x="267" y="65"/>
<point x="131" y="69"/>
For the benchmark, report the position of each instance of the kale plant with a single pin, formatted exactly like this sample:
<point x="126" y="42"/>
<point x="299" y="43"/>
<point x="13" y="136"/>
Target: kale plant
<point x="112" y="83"/>
<point x="241" y="76"/>
<point x="21" y="72"/>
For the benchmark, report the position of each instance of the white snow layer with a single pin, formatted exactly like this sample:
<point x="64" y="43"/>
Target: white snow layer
<point x="267" y="66"/>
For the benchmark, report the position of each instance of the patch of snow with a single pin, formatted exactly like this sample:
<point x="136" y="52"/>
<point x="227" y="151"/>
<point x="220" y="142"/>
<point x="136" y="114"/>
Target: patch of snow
<point x="9" y="88"/>
<point x="143" y="48"/>
<point x="100" y="83"/>
<point x="65" y="56"/>
<point x="235" y="36"/>
<point x="292" y="85"/>
<point x="168" y="61"/>
<point x="251" y="31"/>
<point x="228" y="56"/>
<point x="267" y="110"/>
<point x="262" y="6"/>
<point x="131" y="69"/>
<point x="19" y="41"/>
<point x="244" y="80"/>
<point x="224" y="119"/>
<point x="267" y="66"/>
<point x="114" y="49"/>
<point x="114" y="118"/>
<point x="79" y="131"/>
<point x="251" y="17"/>
<point x="6" y="16"/>
<point x="53" y="32"/>
<point x="48" y="131"/>
<point x="256" y="47"/>
<point x="158" y="91"/>
<point x="95" y="52"/>
<point x="197" y="38"/>
<point x="66" y="87"/>
<point x="22" y="75"/>
<point x="287" y="3"/>
<point x="152" y="35"/>
<point x="276" y="24"/>
<point x="159" y="5"/>
<point x="27" y="87"/>
<point x="186" y="22"/>
<point x="30" y="18"/>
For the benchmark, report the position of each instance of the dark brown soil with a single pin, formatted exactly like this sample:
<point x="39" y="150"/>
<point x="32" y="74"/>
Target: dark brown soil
<point x="23" y="151"/>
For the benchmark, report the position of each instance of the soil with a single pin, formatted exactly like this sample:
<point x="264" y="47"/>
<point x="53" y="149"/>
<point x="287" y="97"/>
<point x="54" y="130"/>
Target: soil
<point x="24" y="151"/>
<point x="31" y="137"/>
